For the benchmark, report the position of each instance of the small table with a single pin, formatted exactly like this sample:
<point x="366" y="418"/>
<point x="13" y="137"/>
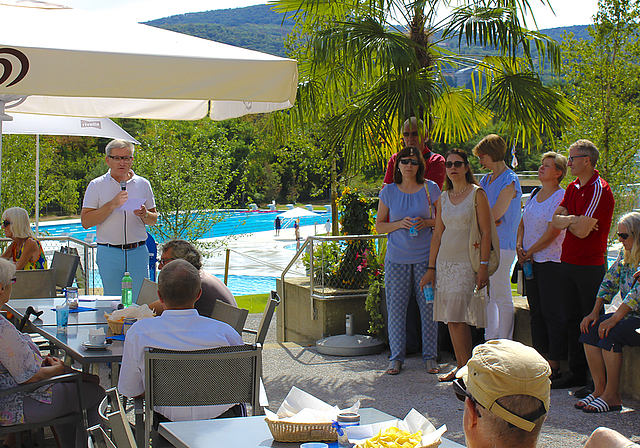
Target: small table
<point x="246" y="432"/>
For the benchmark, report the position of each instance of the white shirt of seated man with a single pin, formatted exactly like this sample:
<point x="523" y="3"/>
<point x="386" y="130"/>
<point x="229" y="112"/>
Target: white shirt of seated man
<point x="180" y="327"/>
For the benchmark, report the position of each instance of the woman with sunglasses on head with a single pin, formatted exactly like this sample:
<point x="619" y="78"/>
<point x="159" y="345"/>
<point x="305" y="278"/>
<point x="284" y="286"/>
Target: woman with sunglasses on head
<point x="503" y="190"/>
<point x="604" y="336"/>
<point x="539" y="246"/>
<point x="450" y="269"/>
<point x="406" y="214"/>
<point x="25" y="250"/>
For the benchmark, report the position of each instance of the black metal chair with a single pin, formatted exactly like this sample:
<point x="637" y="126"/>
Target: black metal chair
<point x="64" y="266"/>
<point x="267" y="316"/>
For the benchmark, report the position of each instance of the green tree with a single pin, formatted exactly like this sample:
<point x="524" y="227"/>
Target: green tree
<point x="363" y="72"/>
<point x="603" y="78"/>
<point x="189" y="167"/>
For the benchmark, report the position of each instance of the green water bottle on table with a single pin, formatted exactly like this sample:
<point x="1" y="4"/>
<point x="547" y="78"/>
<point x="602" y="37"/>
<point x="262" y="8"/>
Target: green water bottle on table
<point x="127" y="294"/>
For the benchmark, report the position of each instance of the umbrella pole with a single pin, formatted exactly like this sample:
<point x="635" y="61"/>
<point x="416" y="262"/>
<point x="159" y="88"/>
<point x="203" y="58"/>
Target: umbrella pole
<point x="37" y="183"/>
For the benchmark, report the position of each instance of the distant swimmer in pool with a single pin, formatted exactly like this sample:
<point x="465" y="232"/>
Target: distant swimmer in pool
<point x="212" y="287"/>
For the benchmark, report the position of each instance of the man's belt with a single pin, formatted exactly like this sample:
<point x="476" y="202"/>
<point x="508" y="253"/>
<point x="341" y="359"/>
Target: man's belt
<point x="124" y="246"/>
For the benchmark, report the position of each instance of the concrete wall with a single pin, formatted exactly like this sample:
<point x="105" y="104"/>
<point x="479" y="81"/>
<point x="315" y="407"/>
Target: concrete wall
<point x="629" y="377"/>
<point x="303" y="320"/>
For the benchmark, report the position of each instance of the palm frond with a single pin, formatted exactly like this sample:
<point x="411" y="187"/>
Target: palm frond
<point x="457" y="116"/>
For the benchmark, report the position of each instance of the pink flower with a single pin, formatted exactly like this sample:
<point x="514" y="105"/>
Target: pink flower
<point x="359" y="268"/>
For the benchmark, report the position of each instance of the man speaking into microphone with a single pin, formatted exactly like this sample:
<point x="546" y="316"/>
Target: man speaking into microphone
<point x="112" y="203"/>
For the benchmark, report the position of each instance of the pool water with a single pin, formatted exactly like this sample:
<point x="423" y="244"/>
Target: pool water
<point x="235" y="222"/>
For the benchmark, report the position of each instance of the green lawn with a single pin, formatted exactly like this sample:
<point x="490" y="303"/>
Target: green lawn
<point x="255" y="303"/>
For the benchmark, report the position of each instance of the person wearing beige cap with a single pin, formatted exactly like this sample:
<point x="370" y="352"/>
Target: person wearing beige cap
<point x="505" y="386"/>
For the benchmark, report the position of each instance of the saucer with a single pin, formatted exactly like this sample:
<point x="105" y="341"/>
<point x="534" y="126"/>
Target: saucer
<point x="89" y="346"/>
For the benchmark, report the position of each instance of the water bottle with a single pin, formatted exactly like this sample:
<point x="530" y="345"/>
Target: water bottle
<point x="527" y="268"/>
<point x="413" y="231"/>
<point x="428" y="293"/>
<point x="127" y="294"/>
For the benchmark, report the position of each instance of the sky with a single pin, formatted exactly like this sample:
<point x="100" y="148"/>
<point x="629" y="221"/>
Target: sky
<point x="568" y="12"/>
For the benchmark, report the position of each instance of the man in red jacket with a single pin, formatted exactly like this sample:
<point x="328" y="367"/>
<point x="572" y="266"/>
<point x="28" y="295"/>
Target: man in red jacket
<point x="414" y="134"/>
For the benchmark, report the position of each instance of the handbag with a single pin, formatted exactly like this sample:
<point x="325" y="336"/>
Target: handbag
<point x="475" y="237"/>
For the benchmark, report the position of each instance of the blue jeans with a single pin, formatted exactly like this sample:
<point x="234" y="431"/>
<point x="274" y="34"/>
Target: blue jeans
<point x="111" y="264"/>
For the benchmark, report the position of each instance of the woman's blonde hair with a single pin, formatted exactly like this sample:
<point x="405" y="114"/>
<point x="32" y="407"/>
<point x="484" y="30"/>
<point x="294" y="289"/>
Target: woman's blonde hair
<point x="559" y="160"/>
<point x="632" y="222"/>
<point x="492" y="145"/>
<point x="19" y="219"/>
<point x="7" y="271"/>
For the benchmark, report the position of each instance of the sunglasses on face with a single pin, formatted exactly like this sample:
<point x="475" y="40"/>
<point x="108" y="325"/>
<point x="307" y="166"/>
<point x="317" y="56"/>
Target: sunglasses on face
<point x="623" y="236"/>
<point x="409" y="161"/>
<point x="6" y="223"/>
<point x="411" y="134"/>
<point x="13" y="280"/>
<point x="462" y="393"/>
<point x="164" y="261"/>
<point x="572" y="158"/>
<point x="457" y="164"/>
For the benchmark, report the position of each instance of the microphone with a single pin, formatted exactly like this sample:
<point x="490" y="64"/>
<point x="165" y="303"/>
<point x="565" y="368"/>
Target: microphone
<point x="123" y="185"/>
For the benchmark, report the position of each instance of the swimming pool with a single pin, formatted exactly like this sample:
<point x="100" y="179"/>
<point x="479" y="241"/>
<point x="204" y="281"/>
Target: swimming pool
<point x="235" y="222"/>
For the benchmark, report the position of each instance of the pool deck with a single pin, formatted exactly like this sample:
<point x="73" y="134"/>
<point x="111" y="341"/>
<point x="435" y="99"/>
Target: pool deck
<point x="269" y="249"/>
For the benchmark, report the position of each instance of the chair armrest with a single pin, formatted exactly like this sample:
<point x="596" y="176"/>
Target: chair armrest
<point x="249" y="330"/>
<point x="32" y="386"/>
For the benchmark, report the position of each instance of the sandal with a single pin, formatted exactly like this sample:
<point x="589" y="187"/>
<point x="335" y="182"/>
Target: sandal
<point x="431" y="366"/>
<point x="448" y="376"/>
<point x="585" y="401"/>
<point x="598" y="406"/>
<point x="394" y="367"/>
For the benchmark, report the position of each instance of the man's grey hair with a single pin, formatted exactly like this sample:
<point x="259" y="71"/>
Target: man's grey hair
<point x="179" y="283"/>
<point x="118" y="144"/>
<point x="184" y="250"/>
<point x="504" y="433"/>
<point x="587" y="148"/>
<point x="7" y="271"/>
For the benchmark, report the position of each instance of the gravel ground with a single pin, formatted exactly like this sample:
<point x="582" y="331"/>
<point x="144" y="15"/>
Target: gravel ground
<point x="341" y="381"/>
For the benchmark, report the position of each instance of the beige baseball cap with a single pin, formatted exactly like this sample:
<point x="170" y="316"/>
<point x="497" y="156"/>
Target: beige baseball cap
<point x="500" y="368"/>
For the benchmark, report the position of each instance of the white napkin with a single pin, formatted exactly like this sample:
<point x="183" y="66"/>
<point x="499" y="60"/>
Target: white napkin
<point x="302" y="407"/>
<point x="135" y="311"/>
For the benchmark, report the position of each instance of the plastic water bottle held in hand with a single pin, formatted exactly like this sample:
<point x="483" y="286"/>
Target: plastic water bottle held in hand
<point x="428" y="293"/>
<point x="413" y="231"/>
<point x="527" y="268"/>
<point x="127" y="294"/>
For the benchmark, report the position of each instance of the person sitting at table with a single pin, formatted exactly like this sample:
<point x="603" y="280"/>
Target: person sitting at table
<point x="178" y="328"/>
<point x="25" y="250"/>
<point x="506" y="388"/>
<point x="212" y="286"/>
<point x="21" y="363"/>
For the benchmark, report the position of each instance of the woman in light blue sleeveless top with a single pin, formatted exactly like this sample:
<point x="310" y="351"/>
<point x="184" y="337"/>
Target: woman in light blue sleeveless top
<point x="406" y="214"/>
<point x="503" y="190"/>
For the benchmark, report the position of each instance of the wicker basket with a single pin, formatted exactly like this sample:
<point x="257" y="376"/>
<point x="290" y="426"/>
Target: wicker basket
<point x="301" y="432"/>
<point x="115" y="326"/>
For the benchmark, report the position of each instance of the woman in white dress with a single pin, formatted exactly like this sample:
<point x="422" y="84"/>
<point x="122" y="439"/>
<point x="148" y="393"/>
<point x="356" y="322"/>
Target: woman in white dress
<point x="450" y="269"/>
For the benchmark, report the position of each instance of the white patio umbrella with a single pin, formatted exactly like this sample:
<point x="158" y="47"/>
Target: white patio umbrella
<point x="296" y="212"/>
<point x="56" y="60"/>
<point x="52" y="125"/>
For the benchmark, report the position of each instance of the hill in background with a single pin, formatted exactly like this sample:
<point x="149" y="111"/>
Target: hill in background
<point x="252" y="27"/>
<point x="261" y="29"/>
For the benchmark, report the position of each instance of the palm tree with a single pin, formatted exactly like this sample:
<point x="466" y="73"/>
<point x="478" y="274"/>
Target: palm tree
<point x="366" y="65"/>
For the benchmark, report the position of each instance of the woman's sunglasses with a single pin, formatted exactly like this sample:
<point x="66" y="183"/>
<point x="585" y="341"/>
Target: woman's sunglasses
<point x="623" y="236"/>
<point x="457" y="164"/>
<point x="5" y="223"/>
<point x="409" y="161"/>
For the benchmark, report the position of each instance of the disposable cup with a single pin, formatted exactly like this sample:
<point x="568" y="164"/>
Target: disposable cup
<point x="62" y="318"/>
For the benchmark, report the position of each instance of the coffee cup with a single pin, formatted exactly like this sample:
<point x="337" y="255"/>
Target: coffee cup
<point x="97" y="337"/>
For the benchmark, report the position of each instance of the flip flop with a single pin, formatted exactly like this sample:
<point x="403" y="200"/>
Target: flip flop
<point x="448" y="376"/>
<point x="585" y="401"/>
<point x="599" y="406"/>
<point x="394" y="368"/>
<point x="431" y="366"/>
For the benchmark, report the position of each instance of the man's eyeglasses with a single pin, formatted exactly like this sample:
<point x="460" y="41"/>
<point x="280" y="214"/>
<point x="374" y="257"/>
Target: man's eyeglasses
<point x="164" y="261"/>
<point x="6" y="223"/>
<point x="462" y="393"/>
<point x="457" y="164"/>
<point x="409" y="161"/>
<point x="623" y="236"/>
<point x="411" y="134"/>
<point x="571" y="158"/>
<point x="127" y="159"/>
